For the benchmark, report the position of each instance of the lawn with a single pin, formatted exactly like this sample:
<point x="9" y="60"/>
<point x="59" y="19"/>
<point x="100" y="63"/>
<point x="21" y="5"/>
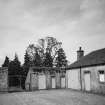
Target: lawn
<point x="51" y="97"/>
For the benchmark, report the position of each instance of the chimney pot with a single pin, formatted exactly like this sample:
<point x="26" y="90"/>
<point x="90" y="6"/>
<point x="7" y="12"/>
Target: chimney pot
<point x="80" y="53"/>
<point x="80" y="48"/>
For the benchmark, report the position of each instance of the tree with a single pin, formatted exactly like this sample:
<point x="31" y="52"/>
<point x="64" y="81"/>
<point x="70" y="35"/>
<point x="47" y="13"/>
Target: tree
<point x="25" y="68"/>
<point x="6" y="62"/>
<point x="48" y="61"/>
<point x="61" y="58"/>
<point x="14" y="71"/>
<point x="27" y="64"/>
<point x="37" y="60"/>
<point x="31" y="50"/>
<point x="49" y="43"/>
<point x="17" y="65"/>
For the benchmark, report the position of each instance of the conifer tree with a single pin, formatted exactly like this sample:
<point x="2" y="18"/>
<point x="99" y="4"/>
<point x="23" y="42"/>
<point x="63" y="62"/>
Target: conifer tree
<point x="37" y="60"/>
<point x="17" y="65"/>
<point x="14" y="71"/>
<point x="26" y="64"/>
<point x="61" y="58"/>
<point x="6" y="62"/>
<point x="48" y="61"/>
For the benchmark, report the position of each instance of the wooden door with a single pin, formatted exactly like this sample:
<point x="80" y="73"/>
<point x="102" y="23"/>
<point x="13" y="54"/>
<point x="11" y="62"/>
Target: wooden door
<point x="42" y="82"/>
<point x="53" y="82"/>
<point x="87" y="81"/>
<point x="63" y="82"/>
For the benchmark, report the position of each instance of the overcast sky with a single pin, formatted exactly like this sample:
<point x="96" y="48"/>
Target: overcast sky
<point x="73" y="22"/>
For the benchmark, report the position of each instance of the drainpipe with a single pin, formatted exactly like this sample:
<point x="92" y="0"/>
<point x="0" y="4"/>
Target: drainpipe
<point x="80" y="78"/>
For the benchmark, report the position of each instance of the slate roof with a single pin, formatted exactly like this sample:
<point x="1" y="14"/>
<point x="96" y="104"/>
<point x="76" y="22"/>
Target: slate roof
<point x="92" y="59"/>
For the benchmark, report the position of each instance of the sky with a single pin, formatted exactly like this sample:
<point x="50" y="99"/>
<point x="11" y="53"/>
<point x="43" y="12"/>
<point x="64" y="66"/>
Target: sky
<point x="73" y="22"/>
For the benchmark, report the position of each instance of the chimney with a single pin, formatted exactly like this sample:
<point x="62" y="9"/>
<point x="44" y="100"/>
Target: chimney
<point x="80" y="53"/>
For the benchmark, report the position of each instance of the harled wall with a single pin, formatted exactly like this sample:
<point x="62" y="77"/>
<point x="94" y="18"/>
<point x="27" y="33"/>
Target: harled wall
<point x="95" y="85"/>
<point x="32" y="80"/>
<point x="3" y="79"/>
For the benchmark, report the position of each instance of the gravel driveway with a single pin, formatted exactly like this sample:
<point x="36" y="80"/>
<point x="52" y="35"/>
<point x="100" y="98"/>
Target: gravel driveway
<point x="51" y="97"/>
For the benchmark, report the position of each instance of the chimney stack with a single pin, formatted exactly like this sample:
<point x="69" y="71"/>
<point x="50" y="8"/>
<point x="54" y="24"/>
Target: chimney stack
<point x="80" y="53"/>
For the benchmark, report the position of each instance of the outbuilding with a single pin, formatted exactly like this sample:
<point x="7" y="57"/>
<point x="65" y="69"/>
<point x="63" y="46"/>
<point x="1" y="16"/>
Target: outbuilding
<point x="88" y="72"/>
<point x="45" y="78"/>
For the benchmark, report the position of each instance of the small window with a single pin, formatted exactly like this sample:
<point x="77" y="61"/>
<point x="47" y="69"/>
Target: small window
<point x="101" y="76"/>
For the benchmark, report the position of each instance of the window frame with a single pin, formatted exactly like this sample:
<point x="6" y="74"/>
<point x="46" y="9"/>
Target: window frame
<point x="99" y="76"/>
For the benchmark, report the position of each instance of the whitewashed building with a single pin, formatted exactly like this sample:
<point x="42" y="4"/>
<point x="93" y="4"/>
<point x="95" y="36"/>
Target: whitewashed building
<point x="88" y="72"/>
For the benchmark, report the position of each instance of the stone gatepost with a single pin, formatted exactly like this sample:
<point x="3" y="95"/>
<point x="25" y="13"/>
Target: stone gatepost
<point x="3" y="79"/>
<point x="48" y="80"/>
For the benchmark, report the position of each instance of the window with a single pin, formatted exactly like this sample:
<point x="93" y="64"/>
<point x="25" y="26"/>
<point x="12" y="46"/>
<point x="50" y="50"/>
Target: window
<point x="101" y="76"/>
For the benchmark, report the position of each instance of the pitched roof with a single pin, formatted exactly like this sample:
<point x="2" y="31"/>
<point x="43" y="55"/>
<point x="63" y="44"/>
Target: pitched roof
<point x="94" y="58"/>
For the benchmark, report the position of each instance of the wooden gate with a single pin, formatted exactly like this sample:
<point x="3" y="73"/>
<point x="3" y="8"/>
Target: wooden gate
<point x="73" y="79"/>
<point x="42" y="82"/>
<point x="63" y="82"/>
<point x="53" y="82"/>
<point x="87" y="81"/>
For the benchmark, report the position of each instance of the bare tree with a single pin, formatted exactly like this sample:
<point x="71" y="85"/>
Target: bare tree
<point x="47" y="44"/>
<point x="51" y="44"/>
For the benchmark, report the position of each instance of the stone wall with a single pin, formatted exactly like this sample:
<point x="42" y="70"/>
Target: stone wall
<point x="3" y="79"/>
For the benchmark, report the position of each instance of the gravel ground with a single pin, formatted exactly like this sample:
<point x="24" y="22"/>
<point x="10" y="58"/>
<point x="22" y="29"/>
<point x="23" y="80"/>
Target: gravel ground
<point x="51" y="97"/>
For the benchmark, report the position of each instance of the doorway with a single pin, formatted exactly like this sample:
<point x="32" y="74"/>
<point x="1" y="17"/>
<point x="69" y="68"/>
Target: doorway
<point x="87" y="81"/>
<point x="53" y="81"/>
<point x="42" y="82"/>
